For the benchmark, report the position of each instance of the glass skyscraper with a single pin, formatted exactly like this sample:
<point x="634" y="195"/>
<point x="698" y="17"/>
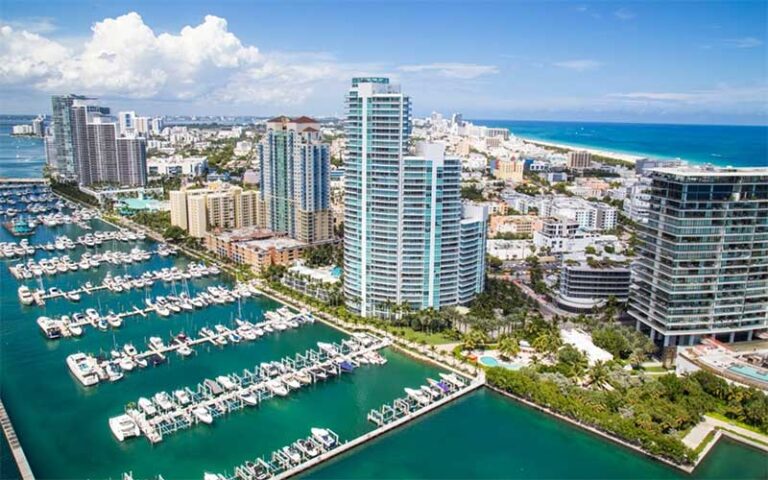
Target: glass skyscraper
<point x="702" y="257"/>
<point x="404" y="224"/>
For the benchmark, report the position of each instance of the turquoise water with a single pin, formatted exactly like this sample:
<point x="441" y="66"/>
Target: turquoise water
<point x="737" y="146"/>
<point x="487" y="436"/>
<point x="143" y="203"/>
<point x="489" y="361"/>
<point x="750" y="372"/>
<point x="63" y="426"/>
<point x="19" y="156"/>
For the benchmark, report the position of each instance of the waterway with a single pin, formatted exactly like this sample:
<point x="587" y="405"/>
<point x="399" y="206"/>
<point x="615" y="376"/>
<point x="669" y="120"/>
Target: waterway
<point x="63" y="426"/>
<point x="485" y="435"/>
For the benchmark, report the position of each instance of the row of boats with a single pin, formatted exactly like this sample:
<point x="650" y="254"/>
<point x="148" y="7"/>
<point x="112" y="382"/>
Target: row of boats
<point x="63" y="264"/>
<point x="90" y="369"/>
<point x="62" y="243"/>
<point x="77" y="217"/>
<point x="319" y="441"/>
<point x="166" y="412"/>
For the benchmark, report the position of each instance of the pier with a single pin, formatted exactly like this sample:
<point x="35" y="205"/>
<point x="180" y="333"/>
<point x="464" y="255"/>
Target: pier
<point x="120" y="284"/>
<point x="60" y="265"/>
<point x="126" y="358"/>
<point x="293" y="459"/>
<point x="71" y="325"/>
<point x="13" y="442"/>
<point x="166" y="414"/>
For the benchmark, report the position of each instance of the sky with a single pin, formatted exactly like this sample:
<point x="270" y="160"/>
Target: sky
<point x="658" y="62"/>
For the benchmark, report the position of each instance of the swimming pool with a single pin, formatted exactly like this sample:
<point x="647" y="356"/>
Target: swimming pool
<point x="749" y="372"/>
<point x="489" y="361"/>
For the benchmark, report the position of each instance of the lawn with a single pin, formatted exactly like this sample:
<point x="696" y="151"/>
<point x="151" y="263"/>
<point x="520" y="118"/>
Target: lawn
<point x="438" y="338"/>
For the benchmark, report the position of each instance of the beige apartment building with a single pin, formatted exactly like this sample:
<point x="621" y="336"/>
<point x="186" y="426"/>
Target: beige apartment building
<point x="256" y="247"/>
<point x="515" y="224"/>
<point x="509" y="170"/>
<point x="217" y="206"/>
<point x="579" y="160"/>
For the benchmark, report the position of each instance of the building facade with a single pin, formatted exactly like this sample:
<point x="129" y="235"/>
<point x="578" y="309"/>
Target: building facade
<point x="295" y="179"/>
<point x="217" y="206"/>
<point x="579" y="160"/>
<point x="584" y="287"/>
<point x="403" y="228"/>
<point x="702" y="256"/>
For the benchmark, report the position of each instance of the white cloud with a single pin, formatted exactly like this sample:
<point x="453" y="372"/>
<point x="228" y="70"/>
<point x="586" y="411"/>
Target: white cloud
<point x="720" y="96"/>
<point x="581" y="65"/>
<point x="743" y="42"/>
<point x="624" y="14"/>
<point x="31" y="24"/>
<point x="465" y="71"/>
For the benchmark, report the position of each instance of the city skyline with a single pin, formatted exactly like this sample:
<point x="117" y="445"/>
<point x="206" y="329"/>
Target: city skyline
<point x="618" y="62"/>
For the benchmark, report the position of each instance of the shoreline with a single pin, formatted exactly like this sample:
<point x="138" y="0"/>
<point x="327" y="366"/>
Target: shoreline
<point x="624" y="157"/>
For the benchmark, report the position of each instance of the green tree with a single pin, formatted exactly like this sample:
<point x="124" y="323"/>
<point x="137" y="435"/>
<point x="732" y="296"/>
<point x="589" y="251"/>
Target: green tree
<point x="174" y="233"/>
<point x="509" y="347"/>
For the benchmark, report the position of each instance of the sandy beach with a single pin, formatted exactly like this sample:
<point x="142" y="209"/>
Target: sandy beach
<point x="626" y="157"/>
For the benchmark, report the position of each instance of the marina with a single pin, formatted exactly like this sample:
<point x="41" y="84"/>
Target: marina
<point x="71" y="325"/>
<point x="63" y="264"/>
<point x="165" y="414"/>
<point x="117" y="284"/>
<point x="90" y="369"/>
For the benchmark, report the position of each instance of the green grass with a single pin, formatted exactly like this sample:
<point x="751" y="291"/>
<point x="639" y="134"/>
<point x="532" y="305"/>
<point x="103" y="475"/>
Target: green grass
<point x="735" y="423"/>
<point x="654" y="369"/>
<point x="701" y="446"/>
<point x="439" y="338"/>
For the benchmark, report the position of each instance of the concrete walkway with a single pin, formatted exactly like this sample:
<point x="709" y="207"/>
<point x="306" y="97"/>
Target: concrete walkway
<point x="698" y="434"/>
<point x="757" y="437"/>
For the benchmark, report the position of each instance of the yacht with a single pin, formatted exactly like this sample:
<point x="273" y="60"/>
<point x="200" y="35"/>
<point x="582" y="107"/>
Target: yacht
<point x="182" y="396"/>
<point x="113" y="371"/>
<point x="184" y="350"/>
<point x="328" y="348"/>
<point x="417" y="395"/>
<point x="50" y="328"/>
<point x="114" y="320"/>
<point x="226" y="382"/>
<point x="323" y="436"/>
<point x="92" y="315"/>
<point x="309" y="448"/>
<point x="156" y="343"/>
<point x="293" y="455"/>
<point x="147" y="406"/>
<point x="291" y="382"/>
<point x="73" y="296"/>
<point x="123" y="426"/>
<point x="303" y="377"/>
<point x="127" y="364"/>
<point x="249" y="398"/>
<point x="130" y="350"/>
<point x="25" y="295"/>
<point x="203" y="415"/>
<point x="163" y="401"/>
<point x="83" y="367"/>
<point x="277" y="387"/>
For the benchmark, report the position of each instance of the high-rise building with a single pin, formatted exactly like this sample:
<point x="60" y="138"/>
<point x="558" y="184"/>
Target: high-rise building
<point x="127" y="122"/>
<point x="61" y="155"/>
<point x="295" y="179"/>
<point x="404" y="226"/>
<point x="702" y="256"/>
<point x="509" y="170"/>
<point x="579" y="160"/>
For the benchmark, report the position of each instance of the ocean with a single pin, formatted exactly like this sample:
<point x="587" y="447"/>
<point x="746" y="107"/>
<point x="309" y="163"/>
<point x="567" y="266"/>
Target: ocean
<point x="19" y="156"/>
<point x="736" y="146"/>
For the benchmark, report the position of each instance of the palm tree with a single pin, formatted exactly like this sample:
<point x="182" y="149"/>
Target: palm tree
<point x="636" y="358"/>
<point x="548" y="342"/>
<point x="509" y="347"/>
<point x="599" y="374"/>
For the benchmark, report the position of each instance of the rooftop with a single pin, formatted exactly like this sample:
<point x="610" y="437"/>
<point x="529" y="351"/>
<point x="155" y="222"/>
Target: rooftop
<point x="698" y="171"/>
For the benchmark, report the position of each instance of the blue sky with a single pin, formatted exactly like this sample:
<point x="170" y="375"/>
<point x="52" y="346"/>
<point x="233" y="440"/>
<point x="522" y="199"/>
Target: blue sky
<point x="703" y="62"/>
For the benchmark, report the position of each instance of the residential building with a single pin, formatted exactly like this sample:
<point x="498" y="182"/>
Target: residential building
<point x="509" y="170"/>
<point x="579" y="160"/>
<point x="61" y="157"/>
<point x="589" y="215"/>
<point x="176" y="165"/>
<point x="561" y="235"/>
<point x="127" y="121"/>
<point x="255" y="247"/>
<point x="405" y="232"/>
<point x="583" y="287"/>
<point x="515" y="224"/>
<point x="702" y="256"/>
<point x="218" y="206"/>
<point x="510" y="249"/>
<point x="295" y="179"/>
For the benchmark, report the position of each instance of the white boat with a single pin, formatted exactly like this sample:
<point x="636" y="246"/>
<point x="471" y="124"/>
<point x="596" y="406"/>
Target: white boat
<point x="147" y="406"/>
<point x="323" y="436"/>
<point x="225" y="382"/>
<point x="130" y="350"/>
<point x="83" y="367"/>
<point x="163" y="401"/>
<point x="291" y="382"/>
<point x="114" y="320"/>
<point x="123" y="426"/>
<point x="277" y="387"/>
<point x="184" y="350"/>
<point x="25" y="295"/>
<point x="303" y="377"/>
<point x="328" y="348"/>
<point x="292" y="454"/>
<point x="73" y="296"/>
<point x="417" y="395"/>
<point x="182" y="396"/>
<point x="308" y="447"/>
<point x="249" y="398"/>
<point x="156" y="343"/>
<point x="203" y="415"/>
<point x="126" y="364"/>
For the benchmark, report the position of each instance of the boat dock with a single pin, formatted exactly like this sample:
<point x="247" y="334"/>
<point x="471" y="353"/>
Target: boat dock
<point x="70" y="325"/>
<point x="60" y="265"/>
<point x="125" y="283"/>
<point x="166" y="414"/>
<point x="293" y="460"/>
<point x="13" y="442"/>
<point x="126" y="358"/>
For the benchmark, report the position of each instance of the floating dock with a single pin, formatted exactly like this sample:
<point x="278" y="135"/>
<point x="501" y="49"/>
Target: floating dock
<point x="166" y="414"/>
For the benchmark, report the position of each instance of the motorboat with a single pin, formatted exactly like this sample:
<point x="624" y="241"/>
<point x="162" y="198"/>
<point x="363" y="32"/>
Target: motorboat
<point x="249" y="398"/>
<point x="226" y="382"/>
<point x="114" y="320"/>
<point x="182" y="396"/>
<point x="291" y="382"/>
<point x="114" y="373"/>
<point x="163" y="401"/>
<point x="323" y="436"/>
<point x="156" y="343"/>
<point x="293" y="455"/>
<point x="83" y="367"/>
<point x="146" y="406"/>
<point x="277" y="387"/>
<point x="417" y="395"/>
<point x="73" y="296"/>
<point x="130" y="350"/>
<point x="308" y="447"/>
<point x="92" y="315"/>
<point x="214" y="387"/>
<point x="126" y="364"/>
<point x="203" y="415"/>
<point x="184" y="350"/>
<point x="328" y="348"/>
<point x="50" y="328"/>
<point x="303" y="377"/>
<point x="123" y="426"/>
<point x="25" y="295"/>
<point x="441" y="385"/>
